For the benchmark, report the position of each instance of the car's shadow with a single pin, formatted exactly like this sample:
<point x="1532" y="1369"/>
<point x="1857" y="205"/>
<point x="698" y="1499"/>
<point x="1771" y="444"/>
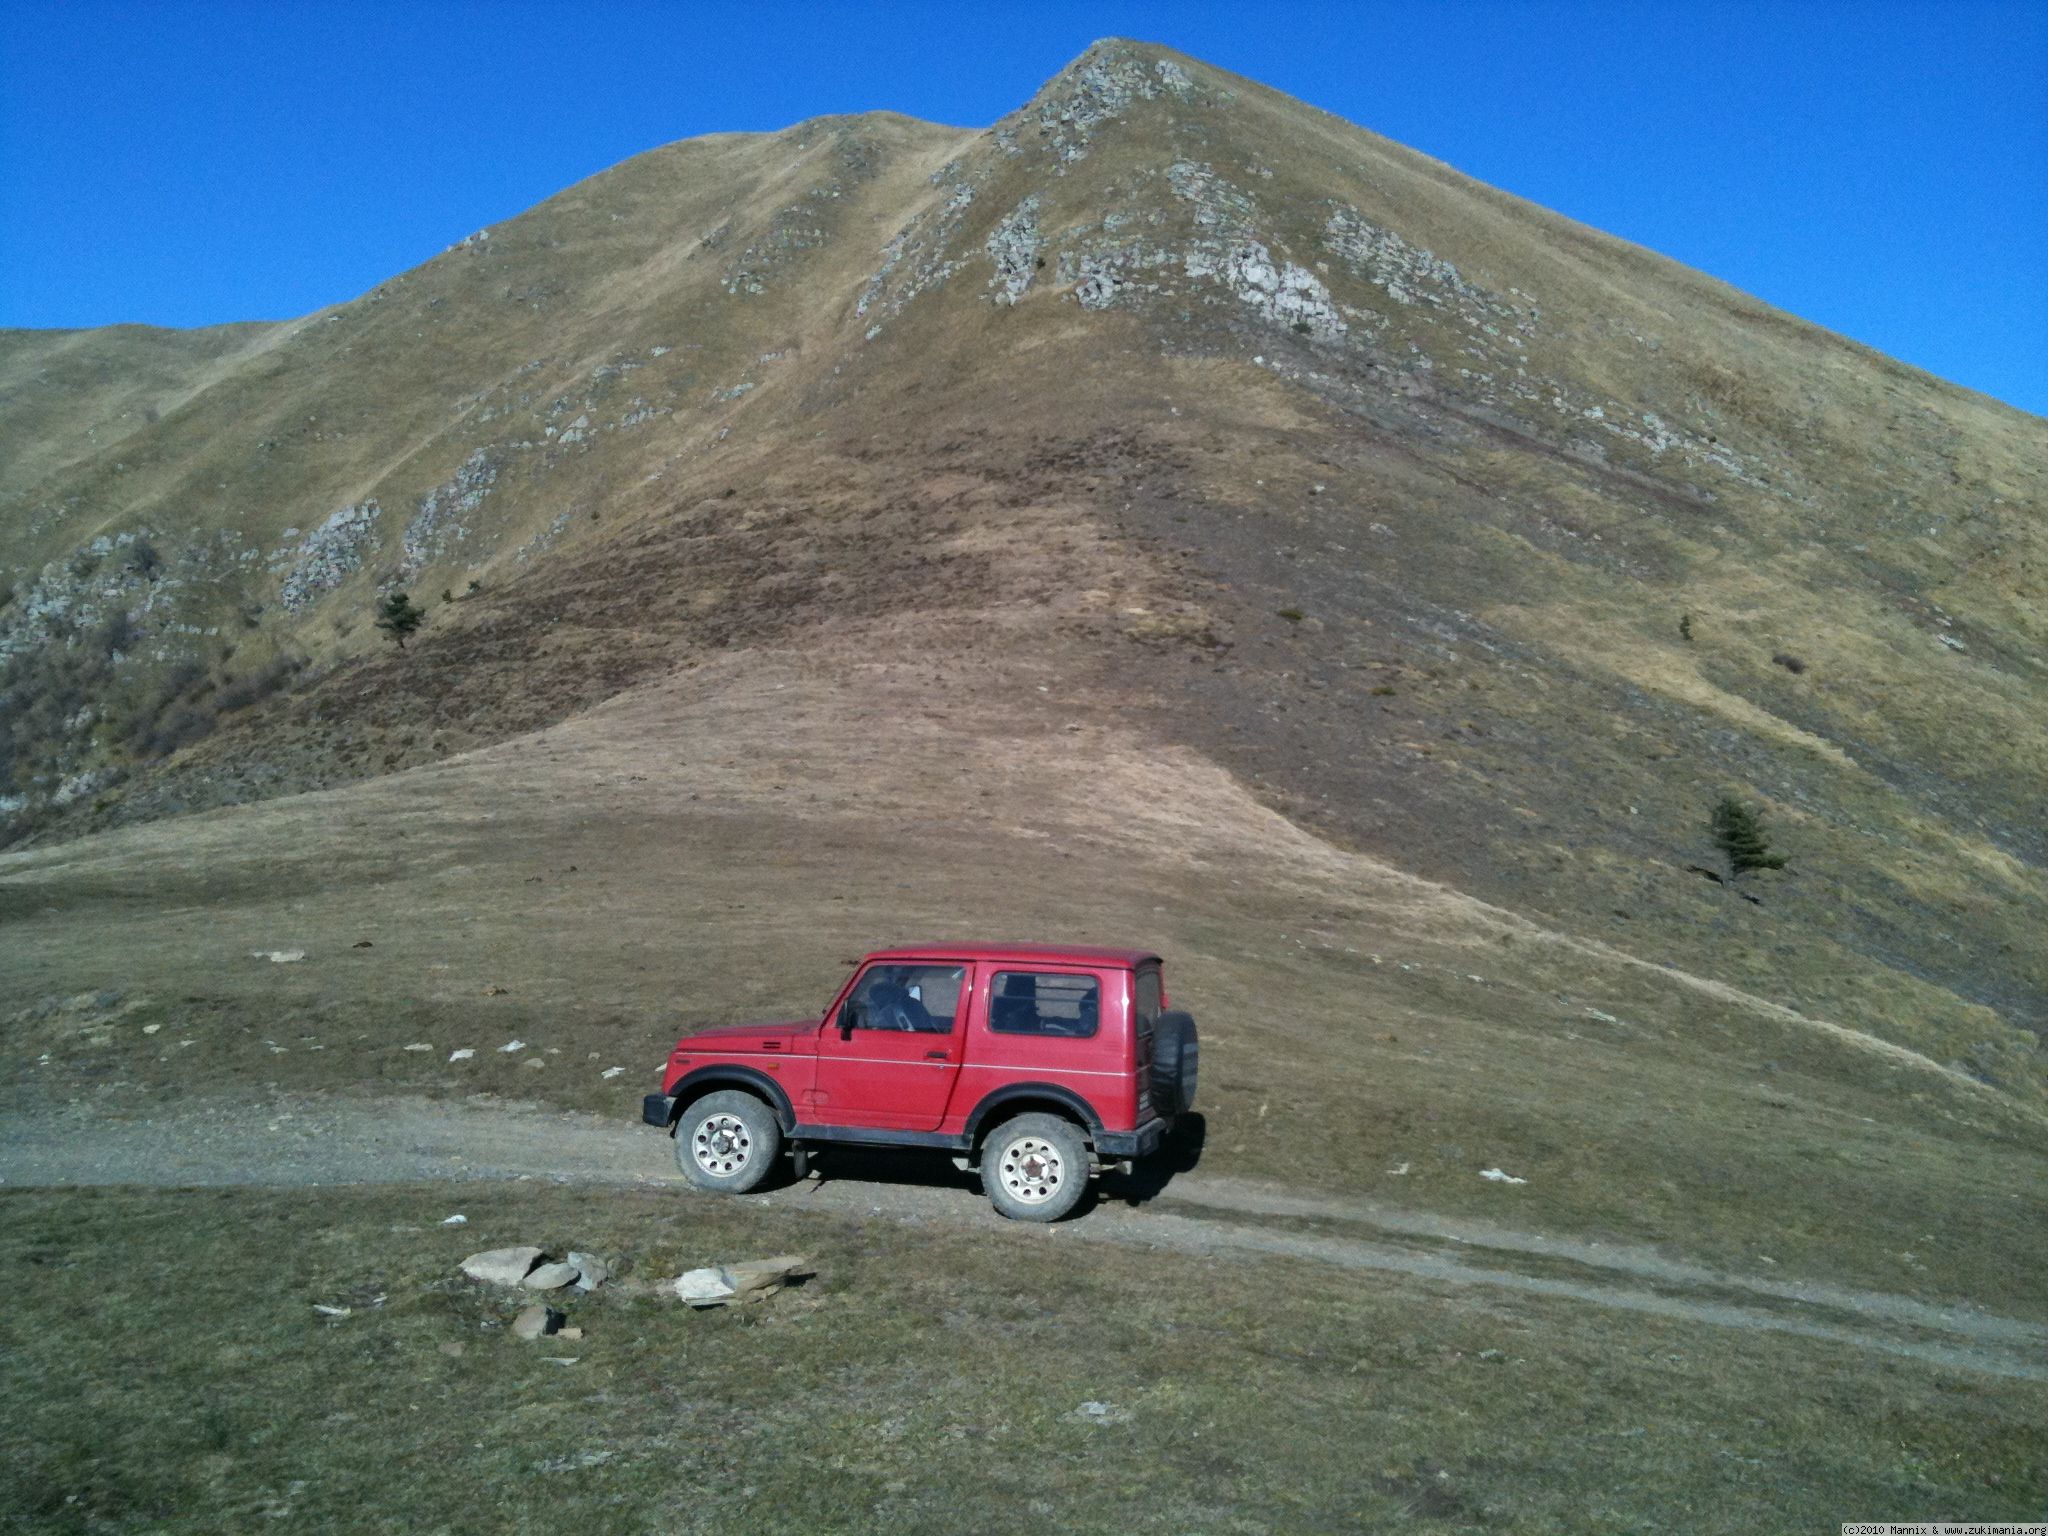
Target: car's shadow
<point x="1150" y="1176"/>
<point x="1148" y="1179"/>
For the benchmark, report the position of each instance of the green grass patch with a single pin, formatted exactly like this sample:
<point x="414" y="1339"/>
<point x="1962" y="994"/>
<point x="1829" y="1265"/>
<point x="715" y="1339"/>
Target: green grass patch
<point x="166" y="1370"/>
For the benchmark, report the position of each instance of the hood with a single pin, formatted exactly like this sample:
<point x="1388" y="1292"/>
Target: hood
<point x="774" y="1035"/>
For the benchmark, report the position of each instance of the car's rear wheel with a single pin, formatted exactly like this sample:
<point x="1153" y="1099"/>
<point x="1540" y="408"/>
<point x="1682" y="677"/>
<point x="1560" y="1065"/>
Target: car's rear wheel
<point x="1035" y="1167"/>
<point x="727" y="1142"/>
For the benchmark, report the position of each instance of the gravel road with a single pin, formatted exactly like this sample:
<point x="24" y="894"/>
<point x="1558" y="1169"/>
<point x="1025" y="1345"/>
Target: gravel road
<point x="309" y="1142"/>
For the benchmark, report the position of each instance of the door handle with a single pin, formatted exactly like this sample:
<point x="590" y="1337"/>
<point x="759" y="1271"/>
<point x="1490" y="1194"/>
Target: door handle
<point x="936" y="1056"/>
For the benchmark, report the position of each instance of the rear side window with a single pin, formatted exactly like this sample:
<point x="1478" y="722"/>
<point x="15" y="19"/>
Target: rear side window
<point x="1044" y="1003"/>
<point x="1148" y="996"/>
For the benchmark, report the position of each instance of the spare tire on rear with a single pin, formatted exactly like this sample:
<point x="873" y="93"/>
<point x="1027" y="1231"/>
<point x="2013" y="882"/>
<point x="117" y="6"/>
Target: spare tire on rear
<point x="1176" y="1054"/>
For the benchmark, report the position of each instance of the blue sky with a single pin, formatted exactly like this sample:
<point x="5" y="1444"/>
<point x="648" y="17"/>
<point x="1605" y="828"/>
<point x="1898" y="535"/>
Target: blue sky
<point x="1881" y="169"/>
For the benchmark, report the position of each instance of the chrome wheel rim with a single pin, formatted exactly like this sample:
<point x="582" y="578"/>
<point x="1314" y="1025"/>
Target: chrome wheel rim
<point x="1031" y="1170"/>
<point x="722" y="1145"/>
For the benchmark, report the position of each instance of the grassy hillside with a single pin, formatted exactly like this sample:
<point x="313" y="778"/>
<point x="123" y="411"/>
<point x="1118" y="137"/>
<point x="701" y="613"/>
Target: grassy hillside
<point x="1472" y="538"/>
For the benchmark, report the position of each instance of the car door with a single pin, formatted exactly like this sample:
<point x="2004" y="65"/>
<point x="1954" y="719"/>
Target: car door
<point x="889" y="1059"/>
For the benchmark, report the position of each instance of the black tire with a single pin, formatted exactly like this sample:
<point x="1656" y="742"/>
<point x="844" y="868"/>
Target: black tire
<point x="1035" y="1167"/>
<point x="727" y="1142"/>
<point x="1176" y="1059"/>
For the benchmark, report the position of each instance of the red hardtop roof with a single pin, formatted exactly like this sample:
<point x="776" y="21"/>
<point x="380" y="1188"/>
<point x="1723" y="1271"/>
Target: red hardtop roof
<point x="1024" y="954"/>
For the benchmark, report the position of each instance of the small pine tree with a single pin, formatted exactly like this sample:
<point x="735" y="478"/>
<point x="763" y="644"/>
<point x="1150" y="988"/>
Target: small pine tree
<point x="398" y="617"/>
<point x="1740" y="832"/>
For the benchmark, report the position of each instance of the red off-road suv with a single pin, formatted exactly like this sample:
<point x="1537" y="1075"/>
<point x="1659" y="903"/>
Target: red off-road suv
<point x="1043" y="1064"/>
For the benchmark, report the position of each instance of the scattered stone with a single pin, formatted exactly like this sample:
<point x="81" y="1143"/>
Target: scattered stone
<point x="501" y="1266"/>
<point x="537" y="1322"/>
<point x="754" y="1280"/>
<point x="327" y="1311"/>
<point x="150" y="1029"/>
<point x="419" y="1046"/>
<point x="278" y="956"/>
<point x="362" y="944"/>
<point x="591" y="1271"/>
<point x="457" y="1220"/>
<point x="764" y="1275"/>
<point x="549" y="1277"/>
<point x="704" y="1288"/>
<point x="462" y="1055"/>
<point x="561" y="1359"/>
<point x="1101" y="1413"/>
<point x="581" y="1459"/>
<point x="1501" y="1178"/>
<point x="510" y="1046"/>
<point x="610" y="1072"/>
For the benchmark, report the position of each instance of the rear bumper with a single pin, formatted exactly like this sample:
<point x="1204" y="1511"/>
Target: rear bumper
<point x="1142" y="1142"/>
<point x="658" y="1109"/>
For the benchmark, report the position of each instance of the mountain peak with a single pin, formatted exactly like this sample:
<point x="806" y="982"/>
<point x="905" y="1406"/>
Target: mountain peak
<point x="1107" y="77"/>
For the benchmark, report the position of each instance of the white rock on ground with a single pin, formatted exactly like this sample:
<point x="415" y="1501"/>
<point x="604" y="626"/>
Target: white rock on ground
<point x="1101" y="1413"/>
<point x="462" y="1055"/>
<point x="703" y="1287"/>
<point x="549" y="1277"/>
<point x="1500" y="1178"/>
<point x="591" y="1271"/>
<point x="510" y="1046"/>
<point x="501" y="1266"/>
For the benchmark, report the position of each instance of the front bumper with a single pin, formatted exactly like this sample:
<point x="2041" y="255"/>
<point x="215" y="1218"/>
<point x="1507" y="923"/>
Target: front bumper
<point x="658" y="1109"/>
<point x="1142" y="1142"/>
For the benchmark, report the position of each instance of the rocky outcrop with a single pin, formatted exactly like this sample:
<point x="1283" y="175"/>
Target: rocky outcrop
<point x="330" y="554"/>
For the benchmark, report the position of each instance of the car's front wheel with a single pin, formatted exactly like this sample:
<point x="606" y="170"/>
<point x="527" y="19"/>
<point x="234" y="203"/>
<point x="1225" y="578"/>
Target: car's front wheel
<point x="727" y="1142"/>
<point x="1035" y="1167"/>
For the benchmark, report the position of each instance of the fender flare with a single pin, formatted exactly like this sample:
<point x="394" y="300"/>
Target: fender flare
<point x="693" y="1085"/>
<point x="1010" y="1093"/>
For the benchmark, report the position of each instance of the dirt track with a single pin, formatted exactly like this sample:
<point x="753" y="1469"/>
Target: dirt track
<point x="309" y="1143"/>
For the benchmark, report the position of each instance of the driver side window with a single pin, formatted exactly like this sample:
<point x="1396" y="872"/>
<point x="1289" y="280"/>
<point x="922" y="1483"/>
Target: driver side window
<point x="917" y="999"/>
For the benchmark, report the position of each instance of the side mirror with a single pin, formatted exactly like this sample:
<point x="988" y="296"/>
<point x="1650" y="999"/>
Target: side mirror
<point x="846" y="1022"/>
